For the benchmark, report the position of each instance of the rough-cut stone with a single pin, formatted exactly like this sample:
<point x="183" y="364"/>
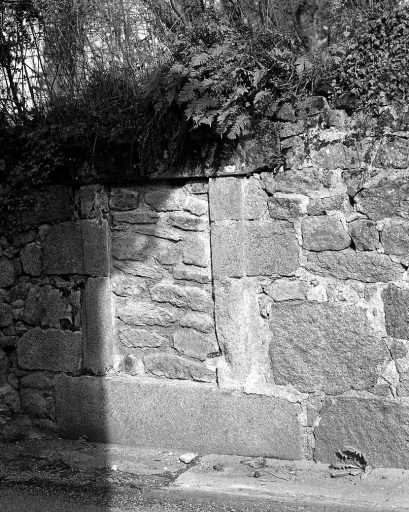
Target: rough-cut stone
<point x="141" y="269"/>
<point x="124" y="199"/>
<point x="6" y="315"/>
<point x="196" y="251"/>
<point x="285" y="208"/>
<point x="128" y="286"/>
<point x="335" y="118"/>
<point x="323" y="205"/>
<point x="8" y="341"/>
<point x="175" y="367"/>
<point x="165" y="232"/>
<point x="285" y="289"/>
<point x="9" y="400"/>
<point x="198" y="321"/>
<point x="166" y="199"/>
<point x="47" y="307"/>
<point x="324" y="233"/>
<point x="219" y="190"/>
<point x="324" y="347"/>
<point x="395" y="238"/>
<point x="182" y="296"/>
<point x="379" y="428"/>
<point x="196" y="206"/>
<point x="187" y="273"/>
<point x="312" y="106"/>
<point x="178" y="415"/>
<point x="36" y="403"/>
<point x="98" y="330"/>
<point x="132" y="217"/>
<point x="393" y="154"/>
<point x="128" y="245"/>
<point x="334" y="156"/>
<point x="36" y="380"/>
<point x="197" y="187"/>
<point x="52" y="350"/>
<point x="191" y="343"/>
<point x="30" y="257"/>
<point x="396" y="306"/>
<point x="77" y="248"/>
<point x="3" y="367"/>
<point x="19" y="292"/>
<point x="144" y="313"/>
<point x="286" y="113"/>
<point x="7" y="272"/>
<point x="286" y="130"/>
<point x="300" y="181"/>
<point x="166" y="252"/>
<point x="132" y="337"/>
<point x="389" y="198"/>
<point x="187" y="222"/>
<point x="364" y="234"/>
<point x="369" y="267"/>
<point x="93" y="201"/>
<point x="254" y="248"/>
<point x="51" y="204"/>
<point x="294" y="152"/>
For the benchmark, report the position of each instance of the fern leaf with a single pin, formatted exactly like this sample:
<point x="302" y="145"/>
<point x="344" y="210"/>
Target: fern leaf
<point x="199" y="60"/>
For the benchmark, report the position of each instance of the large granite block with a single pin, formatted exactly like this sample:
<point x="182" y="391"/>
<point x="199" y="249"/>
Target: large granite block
<point x="188" y="416"/>
<point x="324" y="347"/>
<point x="379" y="428"/>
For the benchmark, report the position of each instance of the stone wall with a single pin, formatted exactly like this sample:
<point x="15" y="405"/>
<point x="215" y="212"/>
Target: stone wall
<point x="252" y="312"/>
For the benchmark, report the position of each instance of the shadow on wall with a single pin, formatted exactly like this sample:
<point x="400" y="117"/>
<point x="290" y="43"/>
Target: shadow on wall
<point x="106" y="287"/>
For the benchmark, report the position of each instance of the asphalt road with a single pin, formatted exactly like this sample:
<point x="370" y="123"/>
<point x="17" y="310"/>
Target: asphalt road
<point x="17" y="499"/>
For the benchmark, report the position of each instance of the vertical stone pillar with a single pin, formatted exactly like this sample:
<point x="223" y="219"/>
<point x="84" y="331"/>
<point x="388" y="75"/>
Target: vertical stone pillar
<point x="97" y="326"/>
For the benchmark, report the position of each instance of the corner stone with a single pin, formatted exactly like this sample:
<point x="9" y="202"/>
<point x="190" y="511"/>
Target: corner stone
<point x="51" y="349"/>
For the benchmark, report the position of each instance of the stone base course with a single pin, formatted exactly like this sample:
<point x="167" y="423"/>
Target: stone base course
<point x="192" y="417"/>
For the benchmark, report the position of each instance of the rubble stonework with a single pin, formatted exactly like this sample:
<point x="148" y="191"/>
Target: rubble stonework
<point x="249" y="290"/>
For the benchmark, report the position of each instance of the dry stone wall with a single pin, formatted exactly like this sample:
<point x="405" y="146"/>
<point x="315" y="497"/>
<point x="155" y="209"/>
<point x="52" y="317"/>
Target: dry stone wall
<point x="252" y="312"/>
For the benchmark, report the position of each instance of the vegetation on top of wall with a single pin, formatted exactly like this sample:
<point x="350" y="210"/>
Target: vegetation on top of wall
<point x="204" y="78"/>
